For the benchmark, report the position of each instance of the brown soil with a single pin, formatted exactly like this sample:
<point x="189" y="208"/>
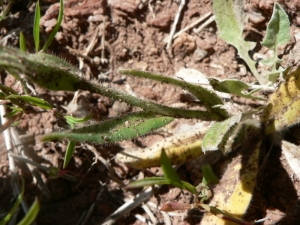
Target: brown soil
<point x="133" y="34"/>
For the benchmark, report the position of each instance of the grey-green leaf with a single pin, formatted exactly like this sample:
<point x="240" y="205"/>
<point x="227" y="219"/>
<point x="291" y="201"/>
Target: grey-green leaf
<point x="229" y="18"/>
<point x="217" y="134"/>
<point x="233" y="86"/>
<point x="278" y="30"/>
<point x="208" y="98"/>
<point x="53" y="73"/>
<point x="113" y="130"/>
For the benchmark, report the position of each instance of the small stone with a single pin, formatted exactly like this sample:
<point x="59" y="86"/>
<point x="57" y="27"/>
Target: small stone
<point x="120" y="107"/>
<point x="205" y="44"/>
<point x="183" y="45"/>
<point x="255" y="17"/>
<point x="141" y="65"/>
<point x="124" y="7"/>
<point x="161" y="21"/>
<point x="199" y="54"/>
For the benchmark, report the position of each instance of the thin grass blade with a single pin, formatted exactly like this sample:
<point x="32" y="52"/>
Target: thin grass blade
<point x="36" y="26"/>
<point x="31" y="214"/>
<point x="15" y="206"/>
<point x="56" y="28"/>
<point x="22" y="42"/>
<point x="69" y="153"/>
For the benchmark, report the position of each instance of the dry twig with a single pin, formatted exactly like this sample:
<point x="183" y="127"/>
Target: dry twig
<point x="129" y="205"/>
<point x="192" y="25"/>
<point x="182" y="4"/>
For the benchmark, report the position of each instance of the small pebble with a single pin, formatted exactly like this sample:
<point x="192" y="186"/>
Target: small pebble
<point x="199" y="54"/>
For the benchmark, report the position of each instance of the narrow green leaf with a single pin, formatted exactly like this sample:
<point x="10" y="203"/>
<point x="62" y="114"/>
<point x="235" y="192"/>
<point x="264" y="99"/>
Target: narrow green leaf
<point x="208" y="98"/>
<point x="32" y="100"/>
<point x="233" y="86"/>
<point x="273" y="76"/>
<point x="149" y="181"/>
<point x="59" y="75"/>
<point x="169" y="173"/>
<point x="36" y="26"/>
<point x="229" y="17"/>
<point x="22" y="42"/>
<point x="208" y="175"/>
<point x="69" y="152"/>
<point x="73" y="120"/>
<point x="31" y="214"/>
<point x="14" y="111"/>
<point x="7" y="90"/>
<point x="113" y="130"/>
<point x="53" y="172"/>
<point x="278" y="29"/>
<point x="15" y="206"/>
<point x="189" y="187"/>
<point x="278" y="33"/>
<point x="2" y="96"/>
<point x="56" y="28"/>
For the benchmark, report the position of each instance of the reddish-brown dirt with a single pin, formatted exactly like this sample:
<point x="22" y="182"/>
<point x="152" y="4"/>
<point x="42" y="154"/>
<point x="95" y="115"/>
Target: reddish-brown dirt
<point x="133" y="34"/>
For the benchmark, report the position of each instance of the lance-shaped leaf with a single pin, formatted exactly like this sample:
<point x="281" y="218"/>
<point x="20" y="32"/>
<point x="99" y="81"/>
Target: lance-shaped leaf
<point x="171" y="175"/>
<point x="53" y="73"/>
<point x="278" y="33"/>
<point x="22" y="42"/>
<point x="208" y="98"/>
<point x="219" y="133"/>
<point x="69" y="153"/>
<point x="278" y="29"/>
<point x="113" y="130"/>
<point x="31" y="214"/>
<point x="149" y="181"/>
<point x="230" y="134"/>
<point x="73" y="120"/>
<point x="233" y="86"/>
<point x="229" y="17"/>
<point x="56" y="28"/>
<point x="32" y="100"/>
<point x="15" y="206"/>
<point x="208" y="175"/>
<point x="36" y="26"/>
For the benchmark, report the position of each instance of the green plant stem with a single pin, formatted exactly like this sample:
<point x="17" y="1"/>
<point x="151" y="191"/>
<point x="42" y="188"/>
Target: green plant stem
<point x="251" y="64"/>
